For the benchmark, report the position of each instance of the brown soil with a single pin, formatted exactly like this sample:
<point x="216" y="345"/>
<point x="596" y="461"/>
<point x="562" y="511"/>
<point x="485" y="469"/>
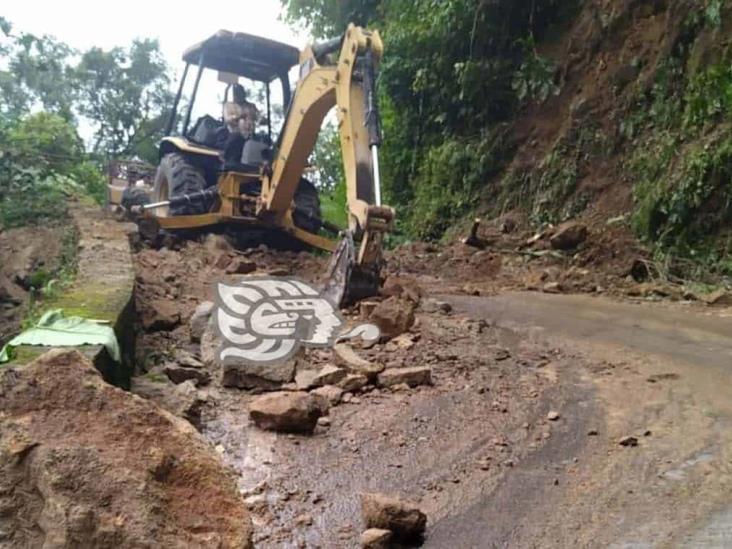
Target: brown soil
<point x="87" y="465"/>
<point x="23" y="251"/>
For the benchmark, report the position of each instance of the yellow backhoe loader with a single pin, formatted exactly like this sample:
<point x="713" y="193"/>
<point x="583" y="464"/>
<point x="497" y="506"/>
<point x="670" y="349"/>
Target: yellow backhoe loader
<point x="219" y="172"/>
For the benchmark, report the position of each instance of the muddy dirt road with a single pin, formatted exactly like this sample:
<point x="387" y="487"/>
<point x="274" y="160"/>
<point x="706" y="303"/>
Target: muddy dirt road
<point x="517" y="440"/>
<point x="665" y="377"/>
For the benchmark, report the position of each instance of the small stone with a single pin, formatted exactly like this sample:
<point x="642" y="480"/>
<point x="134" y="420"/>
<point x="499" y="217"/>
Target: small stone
<point x="553" y="416"/>
<point x="305" y="379"/>
<point x="393" y="316"/>
<point x="353" y="382"/>
<point x="376" y="538"/>
<point x="330" y="393"/>
<point x="418" y="375"/>
<point x="568" y="235"/>
<point x="628" y="441"/>
<point x="290" y="412"/>
<point x="179" y="374"/>
<point x="324" y="421"/>
<point x="404" y="519"/>
<point x="593" y="433"/>
<point x="329" y="375"/>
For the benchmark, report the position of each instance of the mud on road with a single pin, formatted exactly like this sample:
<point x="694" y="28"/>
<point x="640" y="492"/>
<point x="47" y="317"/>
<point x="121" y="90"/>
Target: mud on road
<point x="517" y="441"/>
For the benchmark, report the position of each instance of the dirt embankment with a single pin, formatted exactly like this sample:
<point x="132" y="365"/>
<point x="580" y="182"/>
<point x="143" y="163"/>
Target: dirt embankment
<point x="83" y="464"/>
<point x="29" y="256"/>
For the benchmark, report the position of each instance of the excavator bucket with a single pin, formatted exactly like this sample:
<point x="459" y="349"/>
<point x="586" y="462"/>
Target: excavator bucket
<point x="347" y="282"/>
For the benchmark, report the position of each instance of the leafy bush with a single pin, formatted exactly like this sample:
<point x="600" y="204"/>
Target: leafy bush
<point x="42" y="162"/>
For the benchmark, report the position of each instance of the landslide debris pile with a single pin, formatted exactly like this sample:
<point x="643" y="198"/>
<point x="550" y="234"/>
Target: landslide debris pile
<point x="84" y="464"/>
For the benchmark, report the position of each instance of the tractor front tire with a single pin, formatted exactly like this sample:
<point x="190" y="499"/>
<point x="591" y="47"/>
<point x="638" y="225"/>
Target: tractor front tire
<point x="177" y="176"/>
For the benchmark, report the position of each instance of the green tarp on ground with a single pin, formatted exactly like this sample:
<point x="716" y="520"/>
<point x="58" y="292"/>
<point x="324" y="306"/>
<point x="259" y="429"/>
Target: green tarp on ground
<point x="56" y="330"/>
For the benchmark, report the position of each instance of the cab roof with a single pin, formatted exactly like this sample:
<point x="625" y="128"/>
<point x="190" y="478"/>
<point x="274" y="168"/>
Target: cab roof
<point x="243" y="54"/>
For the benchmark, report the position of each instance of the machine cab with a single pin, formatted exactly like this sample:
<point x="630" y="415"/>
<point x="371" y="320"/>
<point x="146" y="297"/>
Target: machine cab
<point x="262" y="66"/>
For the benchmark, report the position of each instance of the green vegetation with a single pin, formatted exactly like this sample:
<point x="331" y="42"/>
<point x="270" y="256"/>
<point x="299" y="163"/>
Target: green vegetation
<point x="454" y="73"/>
<point x="681" y="157"/>
<point x="47" y="90"/>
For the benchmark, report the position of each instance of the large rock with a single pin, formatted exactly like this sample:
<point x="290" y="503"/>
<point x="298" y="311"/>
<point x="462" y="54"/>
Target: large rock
<point x="159" y="315"/>
<point x="263" y="377"/>
<point x="404" y="519"/>
<point x="414" y="376"/>
<point x="393" y="316"/>
<point x="242" y="375"/>
<point x="568" y="236"/>
<point x="199" y="320"/>
<point x="84" y="464"/>
<point x="289" y="412"/>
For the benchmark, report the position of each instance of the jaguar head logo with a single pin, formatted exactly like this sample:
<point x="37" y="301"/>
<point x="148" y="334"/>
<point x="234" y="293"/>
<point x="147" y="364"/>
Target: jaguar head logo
<point x="266" y="320"/>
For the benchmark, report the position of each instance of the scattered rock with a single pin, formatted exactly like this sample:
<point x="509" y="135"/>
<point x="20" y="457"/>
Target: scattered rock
<point x="414" y="376"/>
<point x="159" y="314"/>
<point x="345" y="356"/>
<point x="553" y="416"/>
<point x="436" y="306"/>
<point x="289" y="412"/>
<point x="552" y="288"/>
<point x="720" y="298"/>
<point x="241" y="266"/>
<point x="353" y="383"/>
<point x="329" y="375"/>
<point x="330" y="393"/>
<point x="593" y="433"/>
<point x="393" y="316"/>
<point x="406" y="288"/>
<point x="324" y="421"/>
<point x="305" y="379"/>
<point x="376" y="538"/>
<point x="568" y="236"/>
<point x="259" y="376"/>
<point x="628" y="441"/>
<point x="199" y="320"/>
<point x="179" y="374"/>
<point x="404" y="519"/>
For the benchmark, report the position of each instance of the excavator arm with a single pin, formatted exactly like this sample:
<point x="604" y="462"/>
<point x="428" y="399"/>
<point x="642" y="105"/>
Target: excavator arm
<point x="348" y="84"/>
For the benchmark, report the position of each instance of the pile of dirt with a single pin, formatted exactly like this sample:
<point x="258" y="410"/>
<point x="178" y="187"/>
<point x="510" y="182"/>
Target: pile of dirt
<point x="436" y="380"/>
<point x="28" y="257"/>
<point x="172" y="281"/>
<point x="494" y="259"/>
<point x="83" y="464"/>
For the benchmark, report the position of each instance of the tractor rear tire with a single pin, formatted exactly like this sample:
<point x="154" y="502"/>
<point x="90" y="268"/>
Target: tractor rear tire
<point x="177" y="176"/>
<point x="307" y="215"/>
